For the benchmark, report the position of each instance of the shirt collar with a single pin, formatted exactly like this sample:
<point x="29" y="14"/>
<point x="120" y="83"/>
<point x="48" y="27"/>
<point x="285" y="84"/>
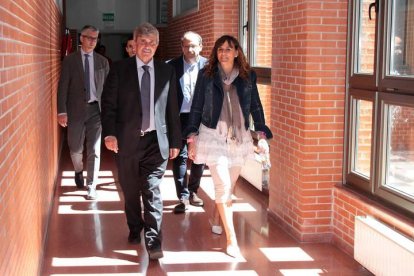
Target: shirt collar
<point x="140" y="63"/>
<point x="85" y="53"/>
<point x="190" y="65"/>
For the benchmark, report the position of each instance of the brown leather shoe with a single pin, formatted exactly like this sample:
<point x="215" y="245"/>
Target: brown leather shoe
<point x="195" y="200"/>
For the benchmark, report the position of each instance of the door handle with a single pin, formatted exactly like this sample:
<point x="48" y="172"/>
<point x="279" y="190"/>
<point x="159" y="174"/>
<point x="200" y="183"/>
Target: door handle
<point x="373" y="5"/>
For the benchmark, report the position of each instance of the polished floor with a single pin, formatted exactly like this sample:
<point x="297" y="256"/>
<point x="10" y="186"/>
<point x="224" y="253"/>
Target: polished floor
<point x="90" y="237"/>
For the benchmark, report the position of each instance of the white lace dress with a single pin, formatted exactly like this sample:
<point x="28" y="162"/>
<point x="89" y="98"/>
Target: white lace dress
<point x="212" y="144"/>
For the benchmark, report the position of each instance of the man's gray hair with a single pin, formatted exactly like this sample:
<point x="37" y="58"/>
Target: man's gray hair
<point x="146" y="29"/>
<point x="89" y="27"/>
<point x="193" y="34"/>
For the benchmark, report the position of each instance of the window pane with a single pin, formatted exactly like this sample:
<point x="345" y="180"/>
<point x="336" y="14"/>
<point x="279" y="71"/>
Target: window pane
<point x="400" y="153"/>
<point x="181" y="6"/>
<point x="402" y="38"/>
<point x="244" y="30"/>
<point x="366" y="39"/>
<point x="363" y="132"/>
<point x="262" y="53"/>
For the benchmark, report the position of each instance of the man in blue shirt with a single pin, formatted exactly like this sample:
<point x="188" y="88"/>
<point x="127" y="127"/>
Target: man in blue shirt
<point x="187" y="66"/>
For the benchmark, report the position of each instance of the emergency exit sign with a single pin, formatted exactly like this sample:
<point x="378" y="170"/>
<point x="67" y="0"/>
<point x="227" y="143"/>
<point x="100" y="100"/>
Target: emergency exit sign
<point x="108" y="17"/>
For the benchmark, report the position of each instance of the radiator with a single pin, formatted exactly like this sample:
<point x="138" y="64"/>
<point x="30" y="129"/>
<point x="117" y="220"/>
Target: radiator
<point x="382" y="250"/>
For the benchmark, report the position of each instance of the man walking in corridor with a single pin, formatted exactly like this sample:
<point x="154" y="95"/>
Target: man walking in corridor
<point x="79" y="95"/>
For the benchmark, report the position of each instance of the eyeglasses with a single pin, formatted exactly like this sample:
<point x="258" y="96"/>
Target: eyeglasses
<point x="90" y="38"/>
<point x="191" y="46"/>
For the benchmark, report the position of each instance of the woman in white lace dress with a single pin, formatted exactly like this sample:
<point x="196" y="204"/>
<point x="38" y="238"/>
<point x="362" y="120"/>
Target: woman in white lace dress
<point x="218" y="131"/>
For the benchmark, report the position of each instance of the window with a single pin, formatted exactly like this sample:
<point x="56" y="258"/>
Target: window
<point x="184" y="6"/>
<point x="380" y="98"/>
<point x="158" y="11"/>
<point x="255" y="32"/>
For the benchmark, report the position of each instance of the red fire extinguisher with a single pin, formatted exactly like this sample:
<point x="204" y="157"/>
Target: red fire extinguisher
<point x="66" y="44"/>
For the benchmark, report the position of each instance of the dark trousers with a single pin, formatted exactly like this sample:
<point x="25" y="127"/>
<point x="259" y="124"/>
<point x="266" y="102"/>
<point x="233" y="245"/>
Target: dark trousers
<point x="89" y="128"/>
<point x="185" y="184"/>
<point x="140" y="175"/>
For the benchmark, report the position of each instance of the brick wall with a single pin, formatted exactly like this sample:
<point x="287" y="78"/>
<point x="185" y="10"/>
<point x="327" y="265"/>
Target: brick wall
<point x="308" y="92"/>
<point x="348" y="204"/>
<point x="212" y="20"/>
<point x="29" y="67"/>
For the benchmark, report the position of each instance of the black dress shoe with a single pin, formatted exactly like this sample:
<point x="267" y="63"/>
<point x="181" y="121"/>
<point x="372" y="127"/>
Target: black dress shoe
<point x="155" y="253"/>
<point x="134" y="237"/>
<point x="181" y="207"/>
<point x="79" y="179"/>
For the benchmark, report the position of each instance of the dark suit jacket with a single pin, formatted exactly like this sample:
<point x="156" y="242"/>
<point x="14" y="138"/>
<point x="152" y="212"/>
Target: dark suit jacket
<point x="178" y="65"/>
<point x="71" y="88"/>
<point x="121" y="107"/>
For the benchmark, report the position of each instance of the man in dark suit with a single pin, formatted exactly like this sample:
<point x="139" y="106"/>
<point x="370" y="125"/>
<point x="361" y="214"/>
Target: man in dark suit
<point x="79" y="95"/>
<point x="186" y="67"/>
<point x="141" y="124"/>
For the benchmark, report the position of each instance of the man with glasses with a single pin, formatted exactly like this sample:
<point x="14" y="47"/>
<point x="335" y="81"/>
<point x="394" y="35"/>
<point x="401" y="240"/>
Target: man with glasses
<point x="186" y="67"/>
<point x="79" y="95"/>
<point x="141" y="125"/>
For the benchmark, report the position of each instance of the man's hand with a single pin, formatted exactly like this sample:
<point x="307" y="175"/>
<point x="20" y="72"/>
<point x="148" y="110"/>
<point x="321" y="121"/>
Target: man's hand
<point x="174" y="153"/>
<point x="63" y="120"/>
<point x="111" y="143"/>
<point x="191" y="150"/>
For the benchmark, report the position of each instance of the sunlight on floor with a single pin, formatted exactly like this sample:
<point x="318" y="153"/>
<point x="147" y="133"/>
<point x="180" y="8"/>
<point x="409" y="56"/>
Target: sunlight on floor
<point x="198" y="257"/>
<point x="71" y="174"/>
<point x="286" y="254"/>
<point x="70" y="210"/>
<point x="127" y="252"/>
<point x="215" y="273"/>
<point x="100" y="274"/>
<point x="301" y="272"/>
<point x="89" y="261"/>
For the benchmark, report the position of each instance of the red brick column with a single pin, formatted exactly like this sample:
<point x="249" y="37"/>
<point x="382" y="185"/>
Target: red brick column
<point x="307" y="116"/>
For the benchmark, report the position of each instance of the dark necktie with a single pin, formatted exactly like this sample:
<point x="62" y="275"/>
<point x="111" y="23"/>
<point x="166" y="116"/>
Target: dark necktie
<point x="145" y="98"/>
<point x="87" y="81"/>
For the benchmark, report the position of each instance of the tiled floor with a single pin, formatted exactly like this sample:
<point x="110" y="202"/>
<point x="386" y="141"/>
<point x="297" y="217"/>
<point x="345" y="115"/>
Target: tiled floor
<point x="90" y="237"/>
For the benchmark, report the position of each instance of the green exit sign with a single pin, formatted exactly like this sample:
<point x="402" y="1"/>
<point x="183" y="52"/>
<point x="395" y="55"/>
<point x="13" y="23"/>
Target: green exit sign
<point x="108" y="17"/>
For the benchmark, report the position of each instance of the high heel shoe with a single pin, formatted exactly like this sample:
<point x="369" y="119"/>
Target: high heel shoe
<point x="233" y="251"/>
<point x="216" y="229"/>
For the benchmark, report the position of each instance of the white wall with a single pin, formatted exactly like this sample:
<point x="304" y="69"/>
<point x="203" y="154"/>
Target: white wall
<point x="128" y="14"/>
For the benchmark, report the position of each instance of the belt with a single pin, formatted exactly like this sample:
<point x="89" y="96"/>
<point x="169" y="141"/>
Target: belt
<point x="92" y="103"/>
<point x="144" y="133"/>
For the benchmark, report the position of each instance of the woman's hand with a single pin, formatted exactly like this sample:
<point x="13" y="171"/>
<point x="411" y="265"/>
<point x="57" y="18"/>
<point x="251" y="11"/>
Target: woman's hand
<point x="262" y="146"/>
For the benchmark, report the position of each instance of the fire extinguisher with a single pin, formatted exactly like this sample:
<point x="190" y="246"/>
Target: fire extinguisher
<point x="66" y="44"/>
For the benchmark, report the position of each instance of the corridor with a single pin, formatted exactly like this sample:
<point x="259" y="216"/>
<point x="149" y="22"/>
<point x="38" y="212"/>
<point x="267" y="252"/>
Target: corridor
<point x="90" y="237"/>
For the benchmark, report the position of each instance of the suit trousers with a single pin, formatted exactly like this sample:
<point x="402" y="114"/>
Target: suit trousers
<point x="140" y="176"/>
<point x="185" y="184"/>
<point x="90" y="128"/>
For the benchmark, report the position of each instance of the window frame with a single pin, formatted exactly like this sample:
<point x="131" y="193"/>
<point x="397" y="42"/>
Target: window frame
<point x="177" y="13"/>
<point x="359" y="180"/>
<point x="263" y="73"/>
<point x="385" y="99"/>
<point x="382" y="90"/>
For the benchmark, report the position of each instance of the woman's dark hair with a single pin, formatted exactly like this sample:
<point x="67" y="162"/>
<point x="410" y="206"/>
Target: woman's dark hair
<point x="239" y="61"/>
